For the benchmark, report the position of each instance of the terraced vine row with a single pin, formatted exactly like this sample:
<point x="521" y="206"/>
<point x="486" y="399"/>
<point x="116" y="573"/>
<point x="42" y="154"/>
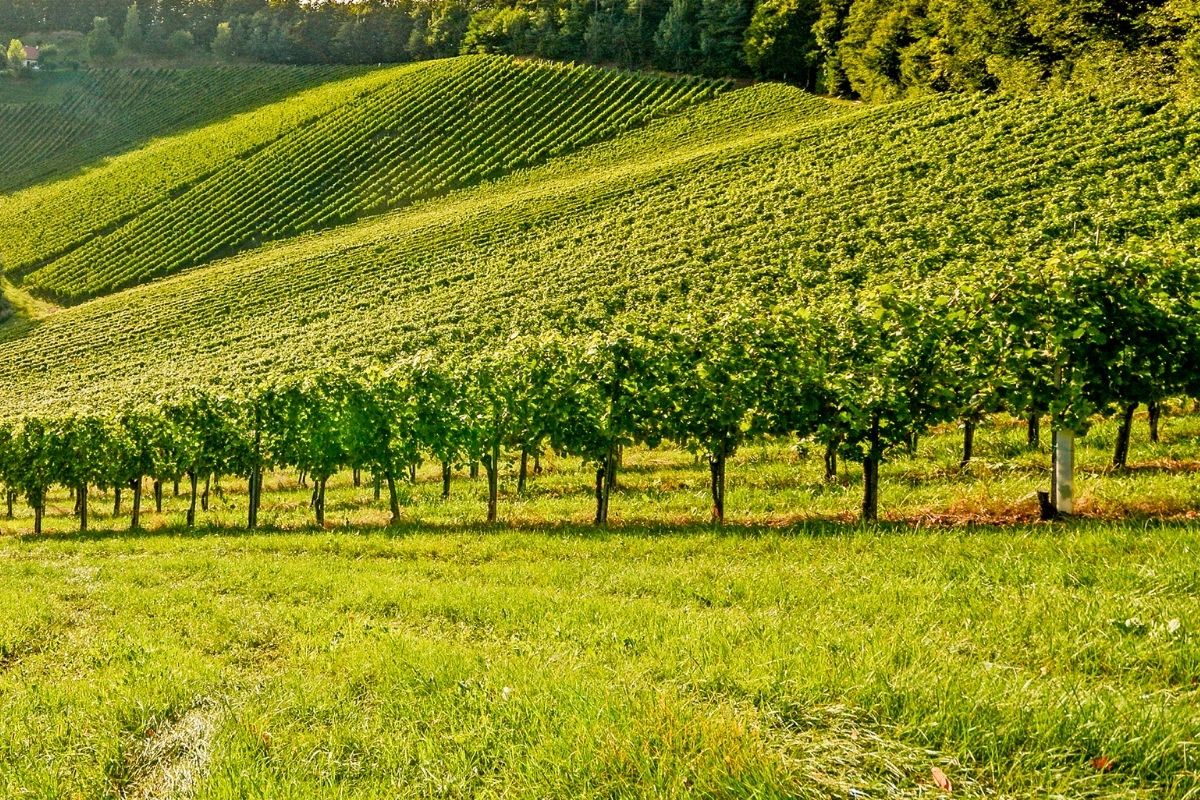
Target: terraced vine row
<point x="79" y="118"/>
<point x="436" y="127"/>
<point x="859" y="374"/>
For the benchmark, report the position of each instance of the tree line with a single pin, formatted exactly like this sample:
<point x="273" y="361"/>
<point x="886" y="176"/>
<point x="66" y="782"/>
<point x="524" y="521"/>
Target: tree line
<point x="859" y="374"/>
<point x="871" y="49"/>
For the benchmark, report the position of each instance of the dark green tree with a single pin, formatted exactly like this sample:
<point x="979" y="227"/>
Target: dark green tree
<point x="721" y="24"/>
<point x="780" y="43"/>
<point x="677" y="40"/>
<point x="223" y="44"/>
<point x="131" y="35"/>
<point x="101" y="43"/>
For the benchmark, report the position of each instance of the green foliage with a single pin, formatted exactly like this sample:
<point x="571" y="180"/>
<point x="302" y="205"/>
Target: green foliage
<point x="886" y="376"/>
<point x="717" y="379"/>
<point x="765" y="262"/>
<point x="131" y="36"/>
<point x="723" y="377"/>
<point x="50" y="58"/>
<point x="180" y="43"/>
<point x="32" y="461"/>
<point x="16" y="55"/>
<point x="222" y="44"/>
<point x="721" y="23"/>
<point x="101" y="43"/>
<point x="689" y="212"/>
<point x="381" y="429"/>
<point x="540" y="384"/>
<point x="492" y="394"/>
<point x="619" y="394"/>
<point x="498" y="30"/>
<point x="1126" y="325"/>
<point x="208" y="437"/>
<point x="871" y="49"/>
<point x="440" y="421"/>
<point x="86" y="451"/>
<point x="620" y="387"/>
<point x="448" y="24"/>
<point x="779" y="41"/>
<point x="677" y="40"/>
<point x="150" y="446"/>
<point x="877" y="47"/>
<point x="383" y="424"/>
<point x="1189" y="50"/>
<point x="304" y="425"/>
<point x="881" y="49"/>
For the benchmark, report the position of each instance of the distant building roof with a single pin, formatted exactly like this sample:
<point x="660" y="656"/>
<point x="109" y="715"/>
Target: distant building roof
<point x="32" y="53"/>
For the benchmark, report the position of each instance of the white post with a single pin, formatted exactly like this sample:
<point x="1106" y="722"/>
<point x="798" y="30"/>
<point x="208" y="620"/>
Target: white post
<point x="1064" y="471"/>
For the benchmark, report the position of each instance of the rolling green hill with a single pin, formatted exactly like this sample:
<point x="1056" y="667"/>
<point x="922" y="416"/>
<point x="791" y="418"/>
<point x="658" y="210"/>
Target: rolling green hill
<point x="763" y="192"/>
<point x="344" y="150"/>
<point x="54" y="124"/>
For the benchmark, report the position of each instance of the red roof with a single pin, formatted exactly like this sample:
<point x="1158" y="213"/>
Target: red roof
<point x="32" y="53"/>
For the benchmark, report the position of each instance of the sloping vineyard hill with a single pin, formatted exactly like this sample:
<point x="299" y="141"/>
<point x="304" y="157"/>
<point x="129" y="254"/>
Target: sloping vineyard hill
<point x="337" y="153"/>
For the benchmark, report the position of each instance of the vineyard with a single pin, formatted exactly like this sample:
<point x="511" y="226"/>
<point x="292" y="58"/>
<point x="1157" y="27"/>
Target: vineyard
<point x="54" y="125"/>
<point x="416" y="433"/>
<point x="793" y="220"/>
<point x="662" y="218"/>
<point x="346" y="150"/>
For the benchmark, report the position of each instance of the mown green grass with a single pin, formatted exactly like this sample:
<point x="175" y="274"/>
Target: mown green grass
<point x="442" y="657"/>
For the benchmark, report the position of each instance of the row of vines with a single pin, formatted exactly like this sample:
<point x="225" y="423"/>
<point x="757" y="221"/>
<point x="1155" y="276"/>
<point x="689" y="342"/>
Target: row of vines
<point x="934" y="198"/>
<point x="858" y="374"/>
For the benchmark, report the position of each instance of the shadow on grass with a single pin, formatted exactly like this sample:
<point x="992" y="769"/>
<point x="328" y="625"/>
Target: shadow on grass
<point x="13" y="326"/>
<point x="1162" y="466"/>
<point x="814" y="528"/>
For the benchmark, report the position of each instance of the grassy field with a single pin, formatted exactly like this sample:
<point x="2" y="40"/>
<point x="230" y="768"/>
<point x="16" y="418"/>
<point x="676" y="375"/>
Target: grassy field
<point x="791" y="654"/>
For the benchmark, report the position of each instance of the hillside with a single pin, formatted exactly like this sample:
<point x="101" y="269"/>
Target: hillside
<point x="345" y="150"/>
<point x="762" y="192"/>
<point x="54" y="124"/>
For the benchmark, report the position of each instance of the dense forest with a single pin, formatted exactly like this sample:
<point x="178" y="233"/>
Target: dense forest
<point x="869" y="49"/>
